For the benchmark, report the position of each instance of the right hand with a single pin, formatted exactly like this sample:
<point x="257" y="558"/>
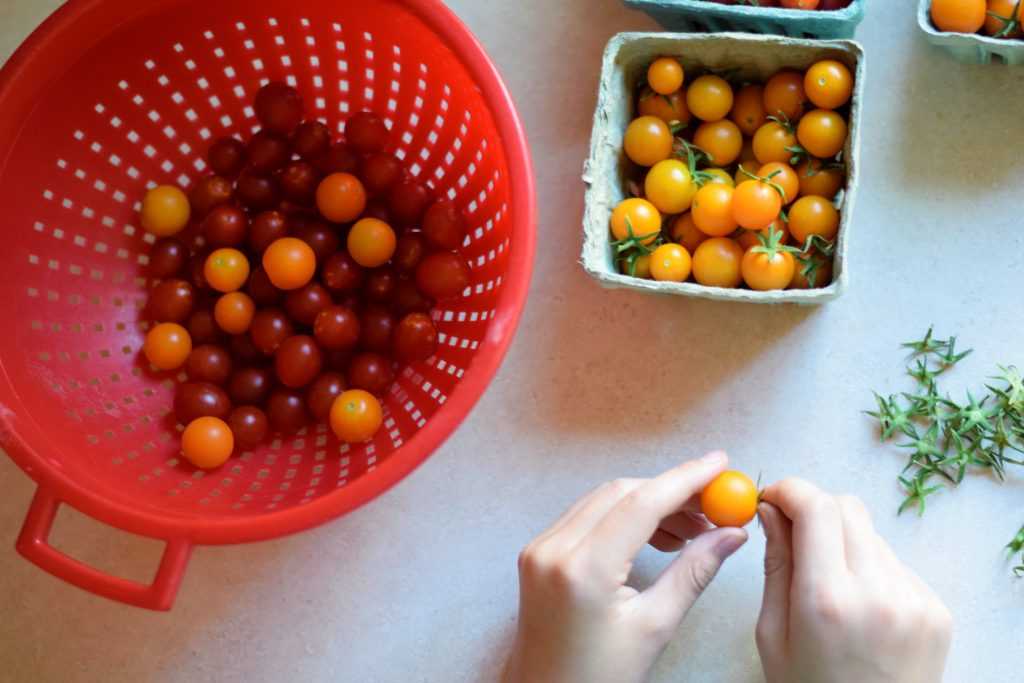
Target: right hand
<point x="839" y="607"/>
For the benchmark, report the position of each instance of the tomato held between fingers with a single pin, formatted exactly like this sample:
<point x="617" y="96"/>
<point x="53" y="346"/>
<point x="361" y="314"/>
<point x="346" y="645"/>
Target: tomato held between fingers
<point x="669" y="187"/>
<point x="716" y="263"/>
<point x="648" y="141"/>
<point x="822" y="133"/>
<point x="730" y="500"/>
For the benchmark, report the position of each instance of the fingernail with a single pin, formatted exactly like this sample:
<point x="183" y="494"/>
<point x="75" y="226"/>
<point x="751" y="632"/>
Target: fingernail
<point x="730" y="542"/>
<point x="715" y="458"/>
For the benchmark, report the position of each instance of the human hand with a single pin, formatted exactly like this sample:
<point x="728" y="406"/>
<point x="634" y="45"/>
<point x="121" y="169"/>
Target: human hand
<point x="839" y="607"/>
<point x="578" y="620"/>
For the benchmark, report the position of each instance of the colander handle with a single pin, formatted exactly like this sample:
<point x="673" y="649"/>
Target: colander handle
<point x="33" y="544"/>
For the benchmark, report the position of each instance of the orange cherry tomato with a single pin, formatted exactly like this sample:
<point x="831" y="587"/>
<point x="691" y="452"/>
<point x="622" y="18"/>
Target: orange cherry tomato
<point x="748" y="110"/>
<point x="289" y="263"/>
<point x="721" y="140"/>
<point x="998" y="17"/>
<point x="670" y="263"/>
<point x="712" y="210"/>
<point x="813" y="215"/>
<point x="958" y="16"/>
<point x="719" y="175"/>
<point x="665" y="75"/>
<point x="356" y="416"/>
<point x="822" y="132"/>
<point x="709" y="98"/>
<point x="371" y="242"/>
<point x="167" y="346"/>
<point x="669" y="186"/>
<point x="636" y="218"/>
<point x="669" y="108"/>
<point x="648" y="141"/>
<point x="341" y="197"/>
<point x="207" y="442"/>
<point x="730" y="500"/>
<point x="783" y="175"/>
<point x="773" y="142"/>
<point x="784" y="95"/>
<point x="749" y="238"/>
<point x="755" y="205"/>
<point x="686" y="232"/>
<point x="165" y="211"/>
<point x="234" y="312"/>
<point x="817" y="179"/>
<point x="800" y="4"/>
<point x="226" y="270"/>
<point x="743" y="168"/>
<point x="640" y="268"/>
<point x="828" y="84"/>
<point x="768" y="269"/>
<point x="716" y="263"/>
<point x="822" y="274"/>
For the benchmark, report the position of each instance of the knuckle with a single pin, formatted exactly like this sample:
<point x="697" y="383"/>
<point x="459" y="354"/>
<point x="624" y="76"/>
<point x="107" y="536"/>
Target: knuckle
<point x="535" y="560"/>
<point x="619" y="487"/>
<point x="826" y="606"/>
<point x="774" y="562"/>
<point x="764" y="635"/>
<point x="701" y="572"/>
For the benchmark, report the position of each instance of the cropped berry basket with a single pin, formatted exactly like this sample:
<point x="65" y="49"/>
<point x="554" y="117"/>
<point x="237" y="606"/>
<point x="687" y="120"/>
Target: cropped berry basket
<point x="970" y="48"/>
<point x="711" y="17"/>
<point x="110" y="97"/>
<point x="744" y="56"/>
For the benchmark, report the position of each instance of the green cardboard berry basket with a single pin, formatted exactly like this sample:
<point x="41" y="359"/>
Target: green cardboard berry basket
<point x="746" y="56"/>
<point x="710" y="17"/>
<point x="970" y="48"/>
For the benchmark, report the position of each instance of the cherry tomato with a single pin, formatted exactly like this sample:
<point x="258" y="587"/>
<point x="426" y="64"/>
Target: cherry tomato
<point x="268" y="152"/>
<point x="828" y="84"/>
<point x="226" y="270"/>
<point x="636" y="218"/>
<point x="270" y="327"/>
<point x="336" y="328"/>
<point x="799" y="4"/>
<point x="371" y="242"/>
<point x="342" y="274"/>
<point x="207" y="442"/>
<point x="670" y="263"/>
<point x="171" y="301"/>
<point x="783" y="175"/>
<point x="415" y="338"/>
<point x="749" y="238"/>
<point x="298" y="361"/>
<point x="409" y="251"/>
<point x="773" y="142"/>
<point x="712" y="210"/>
<point x="407" y="201"/>
<point x="743" y="168"/>
<point x="208" y="363"/>
<point x="640" y="266"/>
<point x="226" y="156"/>
<point x="286" y="410"/>
<point x="356" y="416"/>
<point x="999" y="15"/>
<point x="748" y="111"/>
<point x="709" y="98"/>
<point x="817" y="179"/>
<point x="813" y="215"/>
<point x="443" y="275"/>
<point x="767" y="270"/>
<point x="234" y="312"/>
<point x="225" y="226"/>
<point x="341" y="198"/>
<point x="822" y="274"/>
<point x="784" y="95"/>
<point x="669" y="187"/>
<point x="719" y="175"/>
<point x="209" y="193"/>
<point x="304" y="304"/>
<point x="716" y="263"/>
<point x="279" y="107"/>
<point x="299" y="181"/>
<point x="366" y="132"/>
<point x="376" y="325"/>
<point x="167" y="346"/>
<point x="257" y="191"/>
<point x="665" y="75"/>
<point x="722" y="140"/>
<point x="166" y="211"/>
<point x="755" y="204"/>
<point x="648" y="141"/>
<point x="822" y="132"/>
<point x="167" y="257"/>
<point x="323" y="393"/>
<point x="311" y="140"/>
<point x="958" y="16"/>
<point x="290" y="263"/>
<point x="730" y="500"/>
<point x="249" y="425"/>
<point x="686" y="232"/>
<point x="443" y="225"/>
<point x="669" y="108"/>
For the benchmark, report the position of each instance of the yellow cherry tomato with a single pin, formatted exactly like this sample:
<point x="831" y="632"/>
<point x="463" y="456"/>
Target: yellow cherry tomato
<point x="784" y="95"/>
<point x="165" y="211"/>
<point x="636" y="218"/>
<point x="818" y="179"/>
<point x="712" y="210"/>
<point x="226" y="270"/>
<point x="686" y="233"/>
<point x="828" y="84"/>
<point x="730" y="500"/>
<point x="371" y="242"/>
<point x="709" y="98"/>
<point x="748" y="111"/>
<point x="167" y="346"/>
<point x="719" y="175"/>
<point x="745" y="169"/>
<point x="767" y="270"/>
<point x="669" y="108"/>
<point x="721" y="140"/>
<point x="783" y="175"/>
<point x="749" y="238"/>
<point x="755" y="204"/>
<point x="822" y="133"/>
<point x="670" y="263"/>
<point x="648" y="141"/>
<point x="813" y="215"/>
<point x="665" y="75"/>
<point x="773" y="142"/>
<point x="958" y="16"/>
<point x="999" y="16"/>
<point x="641" y="267"/>
<point x="669" y="186"/>
<point x="716" y="263"/>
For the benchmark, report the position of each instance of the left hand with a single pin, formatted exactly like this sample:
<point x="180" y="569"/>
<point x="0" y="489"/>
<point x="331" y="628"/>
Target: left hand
<point x="578" y="620"/>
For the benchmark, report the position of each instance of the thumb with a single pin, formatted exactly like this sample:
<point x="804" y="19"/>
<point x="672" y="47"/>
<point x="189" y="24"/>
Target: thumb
<point x="679" y="586"/>
<point x="772" y="625"/>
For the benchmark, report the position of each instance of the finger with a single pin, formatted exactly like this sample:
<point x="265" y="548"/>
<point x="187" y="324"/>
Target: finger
<point x="818" y="552"/>
<point x="773" y="623"/>
<point x="679" y="586"/>
<point x="588" y="511"/>
<point x="860" y="542"/>
<point x="627" y="527"/>
<point x="666" y="542"/>
<point x="681" y="526"/>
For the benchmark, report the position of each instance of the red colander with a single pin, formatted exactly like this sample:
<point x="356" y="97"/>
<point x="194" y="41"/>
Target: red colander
<point x="110" y="97"/>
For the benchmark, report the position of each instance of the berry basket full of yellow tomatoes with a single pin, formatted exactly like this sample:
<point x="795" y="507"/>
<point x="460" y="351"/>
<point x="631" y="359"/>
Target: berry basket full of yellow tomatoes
<point x="975" y="31"/>
<point x="724" y="166"/>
